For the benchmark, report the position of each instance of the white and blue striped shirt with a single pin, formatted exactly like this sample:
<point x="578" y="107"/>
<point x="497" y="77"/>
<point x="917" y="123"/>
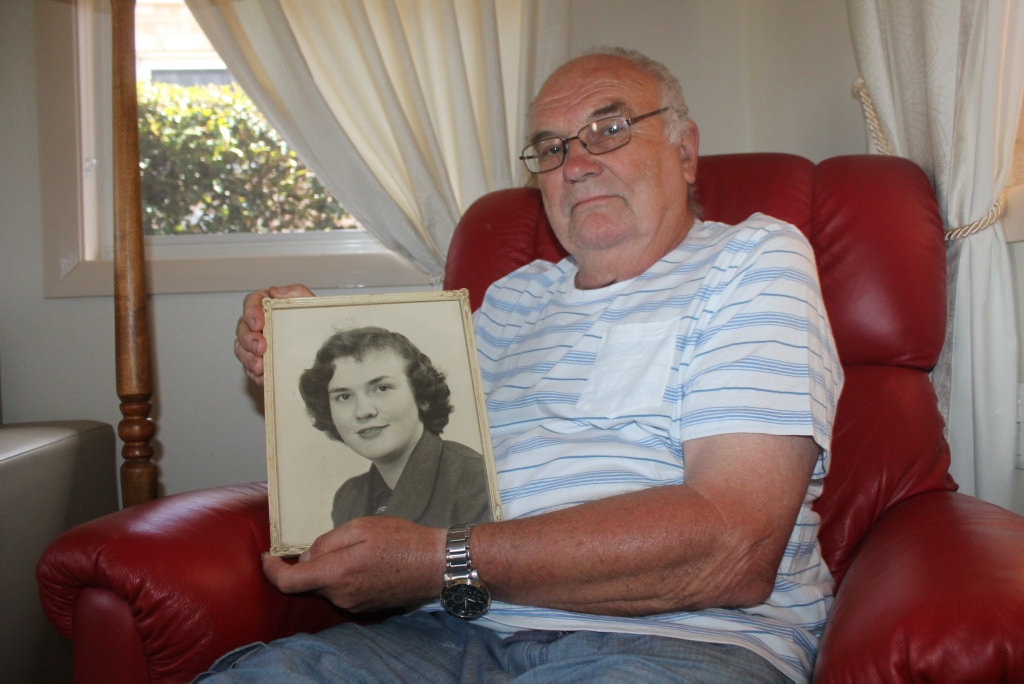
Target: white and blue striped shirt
<point x="592" y="393"/>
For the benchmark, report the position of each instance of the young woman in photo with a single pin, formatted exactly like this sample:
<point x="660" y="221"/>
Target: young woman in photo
<point x="375" y="391"/>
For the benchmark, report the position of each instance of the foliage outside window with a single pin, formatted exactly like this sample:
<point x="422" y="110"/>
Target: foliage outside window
<point x="211" y="164"/>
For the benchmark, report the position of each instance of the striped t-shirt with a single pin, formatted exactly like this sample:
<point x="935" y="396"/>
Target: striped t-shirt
<point x="592" y="393"/>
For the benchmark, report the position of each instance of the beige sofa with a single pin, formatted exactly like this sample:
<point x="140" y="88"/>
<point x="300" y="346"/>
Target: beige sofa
<point x="53" y="476"/>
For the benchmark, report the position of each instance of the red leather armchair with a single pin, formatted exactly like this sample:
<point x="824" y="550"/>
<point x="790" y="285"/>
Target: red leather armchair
<point x="930" y="582"/>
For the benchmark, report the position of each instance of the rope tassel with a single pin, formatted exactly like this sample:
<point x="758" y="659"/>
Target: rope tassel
<point x="881" y="143"/>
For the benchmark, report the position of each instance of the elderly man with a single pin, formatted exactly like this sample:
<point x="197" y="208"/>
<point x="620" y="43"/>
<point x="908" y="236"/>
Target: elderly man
<point x="661" y="405"/>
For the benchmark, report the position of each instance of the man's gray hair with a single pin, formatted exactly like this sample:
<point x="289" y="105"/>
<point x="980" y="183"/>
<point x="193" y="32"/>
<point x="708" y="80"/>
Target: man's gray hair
<point x="671" y="89"/>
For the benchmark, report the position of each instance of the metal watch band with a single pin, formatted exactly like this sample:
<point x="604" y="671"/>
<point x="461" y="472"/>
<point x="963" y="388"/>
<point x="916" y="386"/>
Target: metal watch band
<point x="458" y="565"/>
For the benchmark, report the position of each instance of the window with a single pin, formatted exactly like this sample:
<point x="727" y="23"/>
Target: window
<point x="210" y="162"/>
<point x="73" y="67"/>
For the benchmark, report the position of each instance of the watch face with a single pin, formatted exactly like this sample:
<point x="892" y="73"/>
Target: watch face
<point x="465" y="600"/>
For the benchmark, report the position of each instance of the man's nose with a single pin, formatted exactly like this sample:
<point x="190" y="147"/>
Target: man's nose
<point x="579" y="163"/>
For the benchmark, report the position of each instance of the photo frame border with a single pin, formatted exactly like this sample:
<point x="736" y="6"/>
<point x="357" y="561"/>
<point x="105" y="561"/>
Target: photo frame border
<point x="283" y="548"/>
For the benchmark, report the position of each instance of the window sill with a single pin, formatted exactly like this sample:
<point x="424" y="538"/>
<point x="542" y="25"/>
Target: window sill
<point x="177" y="276"/>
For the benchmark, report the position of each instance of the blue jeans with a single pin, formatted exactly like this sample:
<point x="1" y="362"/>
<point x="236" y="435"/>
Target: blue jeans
<point x="436" y="647"/>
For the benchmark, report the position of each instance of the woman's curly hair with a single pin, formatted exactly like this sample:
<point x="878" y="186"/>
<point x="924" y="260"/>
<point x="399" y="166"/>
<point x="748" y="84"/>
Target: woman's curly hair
<point x="429" y="387"/>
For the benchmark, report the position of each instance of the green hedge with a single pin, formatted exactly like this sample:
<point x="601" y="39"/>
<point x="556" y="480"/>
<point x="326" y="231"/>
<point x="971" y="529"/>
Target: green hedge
<point x="211" y="163"/>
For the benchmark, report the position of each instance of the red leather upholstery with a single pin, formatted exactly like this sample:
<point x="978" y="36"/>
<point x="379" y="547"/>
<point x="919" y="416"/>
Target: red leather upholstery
<point x="158" y="591"/>
<point x="931" y="582"/>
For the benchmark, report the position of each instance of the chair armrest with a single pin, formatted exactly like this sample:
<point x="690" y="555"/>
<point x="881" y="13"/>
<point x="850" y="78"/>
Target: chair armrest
<point x="160" y="590"/>
<point x="934" y="593"/>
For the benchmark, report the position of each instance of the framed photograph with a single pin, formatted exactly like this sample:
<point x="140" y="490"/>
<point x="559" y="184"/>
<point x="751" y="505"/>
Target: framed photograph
<point x="374" y="406"/>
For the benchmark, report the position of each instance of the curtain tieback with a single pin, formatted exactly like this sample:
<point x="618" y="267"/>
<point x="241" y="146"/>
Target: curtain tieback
<point x="881" y="142"/>
<point x="860" y="89"/>
<point x="994" y="214"/>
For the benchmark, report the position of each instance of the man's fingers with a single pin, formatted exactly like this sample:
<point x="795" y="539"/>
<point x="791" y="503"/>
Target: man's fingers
<point x="252" y="311"/>
<point x="337" y="538"/>
<point x="252" y="305"/>
<point x="251" y="364"/>
<point x="250" y="344"/>
<point x="293" y="290"/>
<point x="291" y="578"/>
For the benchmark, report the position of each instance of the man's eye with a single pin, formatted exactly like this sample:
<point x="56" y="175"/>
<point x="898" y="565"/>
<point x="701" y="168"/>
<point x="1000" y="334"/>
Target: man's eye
<point x="611" y="129"/>
<point x="549" y="149"/>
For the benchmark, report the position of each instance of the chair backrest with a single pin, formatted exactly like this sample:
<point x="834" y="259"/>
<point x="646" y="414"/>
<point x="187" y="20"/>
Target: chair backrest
<point x="877" y="236"/>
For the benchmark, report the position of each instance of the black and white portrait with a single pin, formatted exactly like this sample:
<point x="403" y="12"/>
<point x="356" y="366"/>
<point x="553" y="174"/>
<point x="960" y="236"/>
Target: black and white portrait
<point x="374" y="408"/>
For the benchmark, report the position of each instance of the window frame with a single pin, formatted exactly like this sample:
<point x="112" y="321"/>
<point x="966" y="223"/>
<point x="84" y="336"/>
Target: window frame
<point x="73" y="263"/>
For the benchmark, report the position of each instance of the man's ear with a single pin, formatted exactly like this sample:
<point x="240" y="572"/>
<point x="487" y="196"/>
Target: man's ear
<point x="688" y="150"/>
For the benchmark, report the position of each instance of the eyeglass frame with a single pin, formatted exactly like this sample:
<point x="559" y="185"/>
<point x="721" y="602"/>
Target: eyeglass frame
<point x="525" y="158"/>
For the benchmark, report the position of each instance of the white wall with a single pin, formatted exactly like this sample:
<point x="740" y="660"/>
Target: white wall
<point x="760" y="75"/>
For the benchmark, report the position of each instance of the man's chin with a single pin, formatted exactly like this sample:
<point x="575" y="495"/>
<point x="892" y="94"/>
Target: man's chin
<point x="597" y="232"/>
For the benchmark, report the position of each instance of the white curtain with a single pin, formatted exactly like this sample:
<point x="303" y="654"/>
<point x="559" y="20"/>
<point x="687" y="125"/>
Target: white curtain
<point x="946" y="81"/>
<point x="407" y="110"/>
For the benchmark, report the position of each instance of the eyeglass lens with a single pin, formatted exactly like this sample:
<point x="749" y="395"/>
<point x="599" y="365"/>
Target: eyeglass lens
<point x="597" y="137"/>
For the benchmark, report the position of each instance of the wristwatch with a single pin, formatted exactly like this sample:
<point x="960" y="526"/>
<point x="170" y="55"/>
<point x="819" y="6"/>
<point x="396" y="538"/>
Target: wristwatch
<point x="463" y="594"/>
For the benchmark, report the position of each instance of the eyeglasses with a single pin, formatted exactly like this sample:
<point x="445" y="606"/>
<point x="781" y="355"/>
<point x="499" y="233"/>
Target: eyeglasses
<point x="597" y="137"/>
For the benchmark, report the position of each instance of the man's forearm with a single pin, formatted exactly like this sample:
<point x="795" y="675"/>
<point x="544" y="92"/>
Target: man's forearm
<point x="632" y="554"/>
<point x="671" y="548"/>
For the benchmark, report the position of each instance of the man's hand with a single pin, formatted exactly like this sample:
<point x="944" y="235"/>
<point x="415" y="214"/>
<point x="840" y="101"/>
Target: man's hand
<point x="250" y="344"/>
<point x="367" y="564"/>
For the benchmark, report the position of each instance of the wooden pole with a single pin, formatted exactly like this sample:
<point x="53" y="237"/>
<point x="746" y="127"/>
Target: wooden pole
<point x="131" y="320"/>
